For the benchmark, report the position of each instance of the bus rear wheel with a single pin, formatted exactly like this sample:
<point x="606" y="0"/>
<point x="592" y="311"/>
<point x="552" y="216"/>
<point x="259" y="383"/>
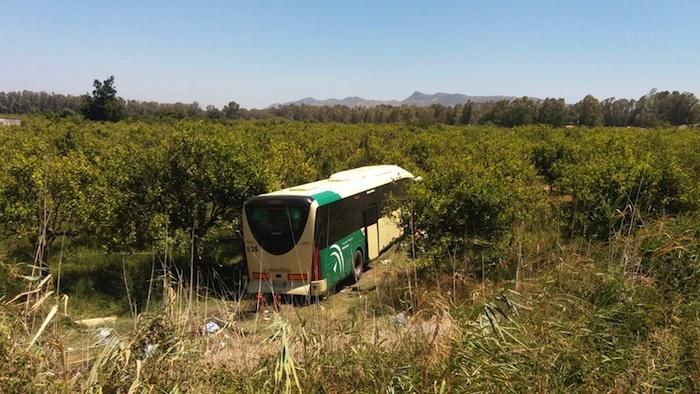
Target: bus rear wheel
<point x="358" y="265"/>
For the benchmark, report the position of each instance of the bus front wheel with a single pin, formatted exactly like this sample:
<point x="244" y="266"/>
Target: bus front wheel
<point x="358" y="264"/>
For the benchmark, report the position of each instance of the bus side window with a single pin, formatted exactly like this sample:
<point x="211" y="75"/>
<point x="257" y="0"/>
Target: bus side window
<point x="382" y="194"/>
<point x="370" y="215"/>
<point x="344" y="217"/>
<point x="338" y="221"/>
<point x="322" y="227"/>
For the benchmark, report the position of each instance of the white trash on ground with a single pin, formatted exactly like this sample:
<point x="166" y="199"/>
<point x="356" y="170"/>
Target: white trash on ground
<point x="150" y="348"/>
<point x="211" y="327"/>
<point x="103" y="335"/>
<point x="400" y="319"/>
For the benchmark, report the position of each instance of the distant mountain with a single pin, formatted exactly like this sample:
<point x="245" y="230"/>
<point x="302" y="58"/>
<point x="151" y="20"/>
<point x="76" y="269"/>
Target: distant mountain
<point x="448" y="99"/>
<point x="353" y="101"/>
<point x="417" y="99"/>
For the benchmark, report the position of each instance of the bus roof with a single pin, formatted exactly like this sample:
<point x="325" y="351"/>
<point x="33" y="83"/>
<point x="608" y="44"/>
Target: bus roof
<point x="346" y="183"/>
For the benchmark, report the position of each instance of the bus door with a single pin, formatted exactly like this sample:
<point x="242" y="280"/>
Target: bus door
<point x="371" y="231"/>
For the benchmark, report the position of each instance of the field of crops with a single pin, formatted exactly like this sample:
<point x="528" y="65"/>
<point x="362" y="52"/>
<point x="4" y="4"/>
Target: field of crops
<point x="547" y="259"/>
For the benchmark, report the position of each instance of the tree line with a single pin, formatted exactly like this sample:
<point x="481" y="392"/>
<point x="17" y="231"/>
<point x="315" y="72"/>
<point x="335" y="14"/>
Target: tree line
<point x="123" y="185"/>
<point x="655" y="109"/>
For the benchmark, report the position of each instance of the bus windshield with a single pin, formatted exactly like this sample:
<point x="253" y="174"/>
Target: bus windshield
<point x="277" y="225"/>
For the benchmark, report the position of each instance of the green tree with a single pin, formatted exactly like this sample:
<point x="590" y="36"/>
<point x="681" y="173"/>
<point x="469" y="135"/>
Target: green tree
<point x="590" y="112"/>
<point x="695" y="115"/>
<point x="507" y="113"/>
<point x="552" y="112"/>
<point x="478" y="187"/>
<point x="675" y="108"/>
<point x="103" y="103"/>
<point x="44" y="198"/>
<point x="232" y="110"/>
<point x="213" y="112"/>
<point x="645" y="114"/>
<point x="618" y="112"/>
<point x="467" y="113"/>
<point x="206" y="180"/>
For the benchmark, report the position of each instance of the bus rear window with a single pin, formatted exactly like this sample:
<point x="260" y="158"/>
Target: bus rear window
<point x="277" y="225"/>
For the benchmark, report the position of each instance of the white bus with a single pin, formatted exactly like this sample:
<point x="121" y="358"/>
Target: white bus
<point x="304" y="240"/>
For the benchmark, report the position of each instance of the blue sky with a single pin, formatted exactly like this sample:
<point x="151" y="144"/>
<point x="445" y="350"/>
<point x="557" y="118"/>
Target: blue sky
<point x="261" y="52"/>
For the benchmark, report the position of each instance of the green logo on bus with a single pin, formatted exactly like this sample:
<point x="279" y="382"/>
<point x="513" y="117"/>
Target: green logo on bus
<point x="339" y="260"/>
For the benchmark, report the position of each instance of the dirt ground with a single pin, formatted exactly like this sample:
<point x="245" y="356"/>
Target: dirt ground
<point x="240" y="333"/>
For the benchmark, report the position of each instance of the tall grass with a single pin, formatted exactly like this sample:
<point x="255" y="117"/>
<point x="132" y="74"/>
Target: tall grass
<point x="581" y="320"/>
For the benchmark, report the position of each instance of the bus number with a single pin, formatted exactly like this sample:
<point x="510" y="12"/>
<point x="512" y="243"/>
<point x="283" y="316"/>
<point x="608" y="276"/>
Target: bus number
<point x="252" y="248"/>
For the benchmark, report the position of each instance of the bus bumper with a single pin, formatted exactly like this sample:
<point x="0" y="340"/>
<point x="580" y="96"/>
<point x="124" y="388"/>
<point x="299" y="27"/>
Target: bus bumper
<point x="318" y="287"/>
<point x="314" y="288"/>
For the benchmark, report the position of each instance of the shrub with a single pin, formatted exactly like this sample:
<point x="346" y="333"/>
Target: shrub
<point x="616" y="185"/>
<point x="470" y="204"/>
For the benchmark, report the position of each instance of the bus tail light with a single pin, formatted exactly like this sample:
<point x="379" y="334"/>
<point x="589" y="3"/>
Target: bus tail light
<point x="261" y="275"/>
<point x="316" y="264"/>
<point x="301" y="277"/>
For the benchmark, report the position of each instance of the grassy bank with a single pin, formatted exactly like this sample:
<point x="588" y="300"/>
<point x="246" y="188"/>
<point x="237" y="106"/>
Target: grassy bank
<point x="617" y="316"/>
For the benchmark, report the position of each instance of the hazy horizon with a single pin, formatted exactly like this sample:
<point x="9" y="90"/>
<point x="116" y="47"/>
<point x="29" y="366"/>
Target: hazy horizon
<point x="262" y="54"/>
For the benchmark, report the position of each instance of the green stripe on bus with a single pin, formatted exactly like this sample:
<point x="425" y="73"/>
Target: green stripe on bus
<point x="326" y="197"/>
